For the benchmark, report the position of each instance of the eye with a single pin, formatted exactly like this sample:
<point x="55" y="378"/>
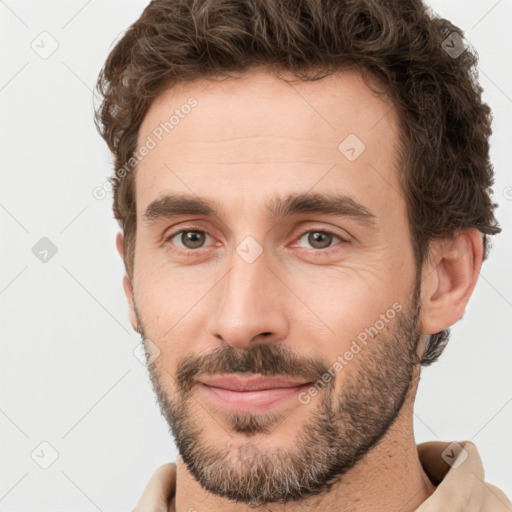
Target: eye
<point x="193" y="240"/>
<point x="320" y="239"/>
<point x="189" y="238"/>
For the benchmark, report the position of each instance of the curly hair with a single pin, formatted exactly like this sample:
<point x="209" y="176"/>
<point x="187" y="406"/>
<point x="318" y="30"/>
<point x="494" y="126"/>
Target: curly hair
<point x="445" y="170"/>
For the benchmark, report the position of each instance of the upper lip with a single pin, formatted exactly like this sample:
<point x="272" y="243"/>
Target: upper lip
<point x="255" y="383"/>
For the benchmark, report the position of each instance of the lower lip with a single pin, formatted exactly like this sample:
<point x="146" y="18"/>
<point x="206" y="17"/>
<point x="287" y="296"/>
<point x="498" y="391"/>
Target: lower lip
<point x="251" y="401"/>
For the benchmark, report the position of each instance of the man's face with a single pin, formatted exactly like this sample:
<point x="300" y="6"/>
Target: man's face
<point x="275" y="284"/>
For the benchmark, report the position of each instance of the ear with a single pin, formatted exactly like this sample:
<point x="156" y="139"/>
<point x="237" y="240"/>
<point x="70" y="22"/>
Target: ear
<point x="127" y="284"/>
<point x="449" y="278"/>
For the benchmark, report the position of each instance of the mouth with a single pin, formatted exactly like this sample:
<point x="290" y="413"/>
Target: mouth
<point x="253" y="394"/>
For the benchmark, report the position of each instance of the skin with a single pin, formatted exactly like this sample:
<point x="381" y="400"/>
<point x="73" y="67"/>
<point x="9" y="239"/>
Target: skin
<point x="248" y="140"/>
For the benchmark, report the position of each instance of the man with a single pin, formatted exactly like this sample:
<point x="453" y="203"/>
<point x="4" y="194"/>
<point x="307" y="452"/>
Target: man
<point x="304" y="195"/>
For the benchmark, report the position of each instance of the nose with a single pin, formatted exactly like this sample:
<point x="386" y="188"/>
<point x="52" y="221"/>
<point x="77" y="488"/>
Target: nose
<point x="250" y="305"/>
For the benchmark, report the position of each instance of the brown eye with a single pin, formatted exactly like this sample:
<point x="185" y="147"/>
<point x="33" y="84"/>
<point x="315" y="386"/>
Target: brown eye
<point x="319" y="239"/>
<point x="188" y="239"/>
<point x="192" y="239"/>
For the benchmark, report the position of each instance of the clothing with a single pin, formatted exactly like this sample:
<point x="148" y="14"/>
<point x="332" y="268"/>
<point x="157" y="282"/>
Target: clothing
<point x="460" y="485"/>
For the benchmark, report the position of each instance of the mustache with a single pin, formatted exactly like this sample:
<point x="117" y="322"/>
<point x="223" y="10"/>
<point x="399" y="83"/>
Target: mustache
<point x="269" y="360"/>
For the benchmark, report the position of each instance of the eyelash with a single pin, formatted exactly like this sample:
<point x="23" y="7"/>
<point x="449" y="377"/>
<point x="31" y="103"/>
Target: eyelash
<point x="315" y="252"/>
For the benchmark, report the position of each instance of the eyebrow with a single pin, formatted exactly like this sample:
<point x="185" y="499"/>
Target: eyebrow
<point x="277" y="208"/>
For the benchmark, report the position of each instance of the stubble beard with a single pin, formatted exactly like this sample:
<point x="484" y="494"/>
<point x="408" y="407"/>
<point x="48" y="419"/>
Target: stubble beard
<point x="244" y="465"/>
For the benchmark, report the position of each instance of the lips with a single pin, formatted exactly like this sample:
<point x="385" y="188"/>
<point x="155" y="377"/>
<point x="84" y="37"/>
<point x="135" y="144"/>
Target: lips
<point x="255" y="394"/>
<point x="254" y="383"/>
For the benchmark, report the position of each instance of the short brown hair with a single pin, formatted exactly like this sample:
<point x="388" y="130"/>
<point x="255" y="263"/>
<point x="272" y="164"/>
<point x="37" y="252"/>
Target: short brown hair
<point x="444" y="125"/>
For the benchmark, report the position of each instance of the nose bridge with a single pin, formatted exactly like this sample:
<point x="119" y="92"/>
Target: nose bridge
<point x="244" y="288"/>
<point x="247" y="303"/>
<point x="248" y="273"/>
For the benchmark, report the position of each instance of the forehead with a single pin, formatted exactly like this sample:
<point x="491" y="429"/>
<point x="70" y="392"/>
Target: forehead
<point x="258" y="134"/>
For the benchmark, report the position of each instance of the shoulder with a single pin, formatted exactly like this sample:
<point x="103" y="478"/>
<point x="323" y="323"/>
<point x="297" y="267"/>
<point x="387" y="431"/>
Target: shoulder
<point x="456" y="469"/>
<point x="159" y="489"/>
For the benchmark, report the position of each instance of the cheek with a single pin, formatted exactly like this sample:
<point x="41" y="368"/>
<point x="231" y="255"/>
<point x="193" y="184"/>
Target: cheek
<point x="348" y="291"/>
<point x="334" y="307"/>
<point x="173" y="308"/>
<point x="162" y="306"/>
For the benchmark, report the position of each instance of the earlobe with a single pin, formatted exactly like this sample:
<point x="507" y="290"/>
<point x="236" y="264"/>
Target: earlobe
<point x="449" y="279"/>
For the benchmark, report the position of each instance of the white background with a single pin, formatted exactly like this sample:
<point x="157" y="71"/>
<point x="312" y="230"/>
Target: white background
<point x="68" y="375"/>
